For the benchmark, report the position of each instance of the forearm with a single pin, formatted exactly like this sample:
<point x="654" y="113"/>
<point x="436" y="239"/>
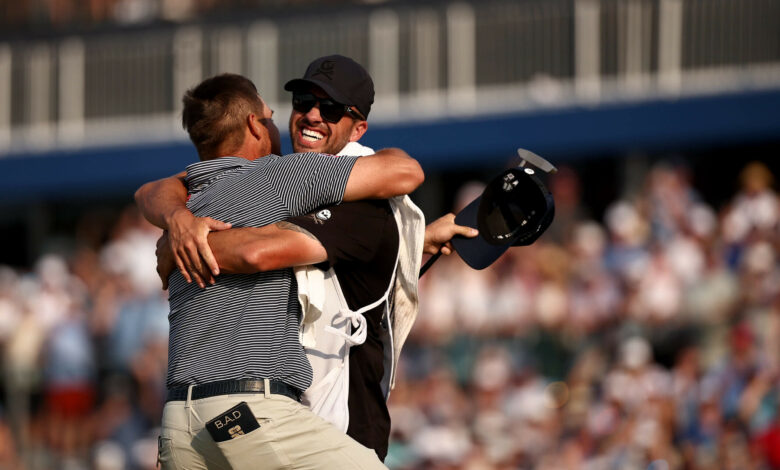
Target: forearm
<point x="390" y="172"/>
<point x="229" y="248"/>
<point x="160" y="200"/>
<point x="251" y="250"/>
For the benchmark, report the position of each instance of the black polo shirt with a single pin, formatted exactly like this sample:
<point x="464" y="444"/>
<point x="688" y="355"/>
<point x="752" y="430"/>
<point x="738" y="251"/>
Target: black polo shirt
<point x="361" y="239"/>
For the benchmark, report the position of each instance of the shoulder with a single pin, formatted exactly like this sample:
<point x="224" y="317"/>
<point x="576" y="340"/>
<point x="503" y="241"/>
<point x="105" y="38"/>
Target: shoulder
<point x="356" y="149"/>
<point x="305" y="156"/>
<point x="309" y="161"/>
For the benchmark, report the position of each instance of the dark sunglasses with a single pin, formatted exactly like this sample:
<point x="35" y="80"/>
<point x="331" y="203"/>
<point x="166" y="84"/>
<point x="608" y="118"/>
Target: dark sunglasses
<point x="331" y="111"/>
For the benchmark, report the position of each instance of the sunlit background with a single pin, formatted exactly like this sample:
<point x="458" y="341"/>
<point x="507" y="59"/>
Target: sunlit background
<point x="640" y="332"/>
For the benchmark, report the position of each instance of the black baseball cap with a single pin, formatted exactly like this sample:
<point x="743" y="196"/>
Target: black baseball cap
<point x="513" y="210"/>
<point x="341" y="78"/>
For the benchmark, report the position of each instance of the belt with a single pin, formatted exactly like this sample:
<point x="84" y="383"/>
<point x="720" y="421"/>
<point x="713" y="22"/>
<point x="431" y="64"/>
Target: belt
<point x="228" y="387"/>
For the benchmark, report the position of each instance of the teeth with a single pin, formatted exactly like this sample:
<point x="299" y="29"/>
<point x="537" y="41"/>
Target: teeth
<point x="311" y="136"/>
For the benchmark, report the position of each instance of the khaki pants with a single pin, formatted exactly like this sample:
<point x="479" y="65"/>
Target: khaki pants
<point x="290" y="437"/>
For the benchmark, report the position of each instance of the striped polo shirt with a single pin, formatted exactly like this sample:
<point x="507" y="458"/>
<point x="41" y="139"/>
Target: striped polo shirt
<point x="246" y="325"/>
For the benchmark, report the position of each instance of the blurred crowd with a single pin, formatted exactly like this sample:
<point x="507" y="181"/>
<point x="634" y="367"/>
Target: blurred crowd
<point x="646" y="340"/>
<point x="68" y="14"/>
<point x="84" y="338"/>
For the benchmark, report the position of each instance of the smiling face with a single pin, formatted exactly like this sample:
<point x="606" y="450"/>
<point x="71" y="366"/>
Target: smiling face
<point x="309" y="132"/>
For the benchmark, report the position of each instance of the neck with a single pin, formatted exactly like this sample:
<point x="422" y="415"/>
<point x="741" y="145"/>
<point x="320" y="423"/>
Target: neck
<point x="248" y="150"/>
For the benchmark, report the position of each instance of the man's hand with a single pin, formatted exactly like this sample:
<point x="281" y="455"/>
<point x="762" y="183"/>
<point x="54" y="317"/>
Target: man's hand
<point x="165" y="262"/>
<point x="188" y="240"/>
<point x="439" y="233"/>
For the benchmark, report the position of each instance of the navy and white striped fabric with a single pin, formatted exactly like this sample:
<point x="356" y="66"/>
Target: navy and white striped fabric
<point x="246" y="326"/>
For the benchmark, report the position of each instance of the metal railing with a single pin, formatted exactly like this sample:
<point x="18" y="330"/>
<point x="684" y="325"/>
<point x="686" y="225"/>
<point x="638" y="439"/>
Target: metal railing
<point x="427" y="60"/>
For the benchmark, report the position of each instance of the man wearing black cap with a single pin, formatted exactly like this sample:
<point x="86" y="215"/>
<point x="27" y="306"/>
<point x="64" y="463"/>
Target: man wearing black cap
<point x="361" y="242"/>
<point x="336" y="86"/>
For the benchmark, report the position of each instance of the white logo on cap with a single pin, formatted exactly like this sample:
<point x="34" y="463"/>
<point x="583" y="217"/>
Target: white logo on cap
<point x="323" y="215"/>
<point x="509" y="182"/>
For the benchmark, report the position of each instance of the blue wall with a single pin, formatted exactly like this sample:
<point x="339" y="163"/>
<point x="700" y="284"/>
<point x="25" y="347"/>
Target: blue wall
<point x="559" y="135"/>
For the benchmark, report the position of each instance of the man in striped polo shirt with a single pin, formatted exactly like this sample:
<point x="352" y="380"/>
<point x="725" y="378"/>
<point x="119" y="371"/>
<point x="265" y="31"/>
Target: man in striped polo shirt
<point x="358" y="240"/>
<point x="237" y="340"/>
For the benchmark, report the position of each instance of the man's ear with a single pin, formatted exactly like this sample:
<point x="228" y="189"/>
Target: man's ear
<point x="253" y="124"/>
<point x="358" y="130"/>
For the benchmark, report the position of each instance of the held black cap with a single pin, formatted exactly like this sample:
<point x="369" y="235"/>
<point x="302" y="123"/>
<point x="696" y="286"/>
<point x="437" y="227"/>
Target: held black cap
<point x="341" y="78"/>
<point x="514" y="210"/>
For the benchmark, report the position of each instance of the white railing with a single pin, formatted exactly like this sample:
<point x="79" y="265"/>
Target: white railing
<point x="428" y="61"/>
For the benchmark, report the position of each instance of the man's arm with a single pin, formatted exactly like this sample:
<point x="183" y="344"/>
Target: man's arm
<point x="389" y="172"/>
<point x="251" y="249"/>
<point x="256" y="249"/>
<point x="284" y="245"/>
<point x="159" y="200"/>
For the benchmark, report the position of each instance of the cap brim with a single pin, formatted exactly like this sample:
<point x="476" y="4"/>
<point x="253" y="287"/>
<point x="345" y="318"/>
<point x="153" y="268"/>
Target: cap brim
<point x="303" y="83"/>
<point x="476" y="252"/>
